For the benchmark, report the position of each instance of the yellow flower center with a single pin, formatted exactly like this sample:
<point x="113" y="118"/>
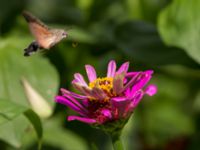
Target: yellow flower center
<point x="106" y="84"/>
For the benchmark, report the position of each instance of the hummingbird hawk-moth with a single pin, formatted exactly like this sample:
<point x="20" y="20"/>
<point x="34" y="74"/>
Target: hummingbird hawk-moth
<point x="45" y="37"/>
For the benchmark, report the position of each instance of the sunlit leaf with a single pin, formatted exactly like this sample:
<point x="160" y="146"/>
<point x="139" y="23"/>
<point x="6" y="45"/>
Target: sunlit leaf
<point x="179" y="25"/>
<point x="37" y="102"/>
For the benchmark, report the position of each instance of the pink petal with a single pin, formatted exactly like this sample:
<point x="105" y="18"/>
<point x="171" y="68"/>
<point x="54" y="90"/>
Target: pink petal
<point x="98" y="93"/>
<point x="83" y="89"/>
<point x="68" y="103"/>
<point x="118" y="83"/>
<point x="111" y="69"/>
<point x="79" y="78"/>
<point x="132" y="81"/>
<point x="106" y="113"/>
<point x="78" y="96"/>
<point x="131" y="74"/>
<point x="123" y="68"/>
<point x="78" y="86"/>
<point x="120" y="104"/>
<point x="142" y="81"/>
<point x="85" y="102"/>
<point x="127" y="92"/>
<point x="75" y="102"/>
<point x="137" y="98"/>
<point x="89" y="92"/>
<point x="95" y="92"/>
<point x="85" y="120"/>
<point x="91" y="73"/>
<point x="151" y="90"/>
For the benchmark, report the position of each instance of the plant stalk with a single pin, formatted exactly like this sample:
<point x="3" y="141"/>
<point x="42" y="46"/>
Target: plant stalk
<point x="116" y="141"/>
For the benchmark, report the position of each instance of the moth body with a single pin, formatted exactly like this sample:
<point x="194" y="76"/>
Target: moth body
<point x="45" y="37"/>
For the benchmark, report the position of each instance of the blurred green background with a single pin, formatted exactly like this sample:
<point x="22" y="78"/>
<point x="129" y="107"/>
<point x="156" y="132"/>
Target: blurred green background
<point x="162" y="35"/>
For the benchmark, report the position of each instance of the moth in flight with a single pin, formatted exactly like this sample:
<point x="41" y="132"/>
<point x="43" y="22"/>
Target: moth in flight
<point x="45" y="37"/>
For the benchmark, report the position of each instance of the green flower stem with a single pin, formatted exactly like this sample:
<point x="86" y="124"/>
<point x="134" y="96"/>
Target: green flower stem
<point x="40" y="144"/>
<point x="116" y="141"/>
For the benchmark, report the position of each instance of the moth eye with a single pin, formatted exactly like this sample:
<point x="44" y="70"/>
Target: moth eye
<point x="64" y="34"/>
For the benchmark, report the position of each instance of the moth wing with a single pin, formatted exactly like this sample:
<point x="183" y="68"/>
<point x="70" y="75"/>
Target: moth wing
<point x="39" y="30"/>
<point x="43" y="37"/>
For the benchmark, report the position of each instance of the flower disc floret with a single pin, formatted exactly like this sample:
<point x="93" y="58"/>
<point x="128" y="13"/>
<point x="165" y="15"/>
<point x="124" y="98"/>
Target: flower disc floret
<point x="105" y="84"/>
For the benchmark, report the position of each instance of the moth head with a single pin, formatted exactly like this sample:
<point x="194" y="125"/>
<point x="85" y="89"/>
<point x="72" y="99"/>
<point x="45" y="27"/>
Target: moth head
<point x="60" y="34"/>
<point x="63" y="34"/>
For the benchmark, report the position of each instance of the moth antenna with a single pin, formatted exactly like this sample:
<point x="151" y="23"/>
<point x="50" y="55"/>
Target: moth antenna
<point x="69" y="28"/>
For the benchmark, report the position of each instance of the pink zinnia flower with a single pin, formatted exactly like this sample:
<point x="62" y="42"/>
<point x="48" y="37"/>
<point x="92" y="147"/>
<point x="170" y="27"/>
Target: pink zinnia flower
<point x="110" y="99"/>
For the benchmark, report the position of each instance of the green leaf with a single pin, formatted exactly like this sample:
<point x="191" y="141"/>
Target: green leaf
<point x="57" y="136"/>
<point x="145" y="9"/>
<point x="164" y="115"/>
<point x="11" y="126"/>
<point x="13" y="103"/>
<point x="179" y="25"/>
<point x="12" y="131"/>
<point x="80" y="35"/>
<point x="36" y="70"/>
<point x="15" y="8"/>
<point x="9" y="110"/>
<point x="13" y="123"/>
<point x="141" y="42"/>
<point x="35" y="120"/>
<point x="64" y="139"/>
<point x="196" y="104"/>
